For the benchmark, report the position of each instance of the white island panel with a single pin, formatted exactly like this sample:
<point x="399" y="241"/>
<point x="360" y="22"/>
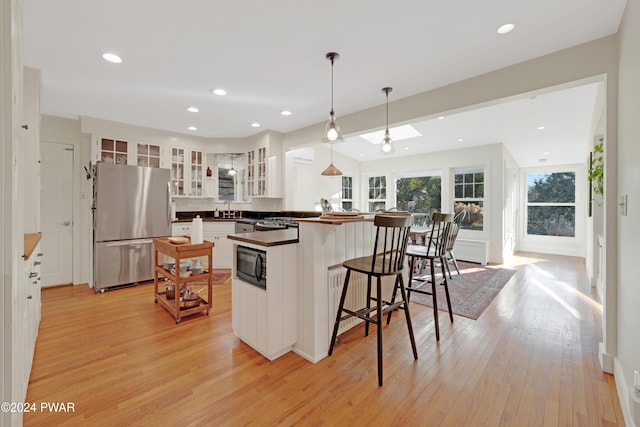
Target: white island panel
<point x="322" y="249"/>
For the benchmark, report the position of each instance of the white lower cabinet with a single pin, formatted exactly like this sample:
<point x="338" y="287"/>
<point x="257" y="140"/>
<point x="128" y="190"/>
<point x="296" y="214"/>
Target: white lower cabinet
<point x="26" y="319"/>
<point x="216" y="232"/>
<point x="265" y="319"/>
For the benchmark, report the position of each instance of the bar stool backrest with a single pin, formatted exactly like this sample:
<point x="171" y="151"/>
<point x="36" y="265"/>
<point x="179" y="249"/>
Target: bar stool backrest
<point x="392" y="233"/>
<point x="442" y="232"/>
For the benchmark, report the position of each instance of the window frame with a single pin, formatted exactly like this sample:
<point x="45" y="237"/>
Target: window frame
<point x="528" y="204"/>
<point x="561" y="245"/>
<point x="464" y="170"/>
<point x="343" y="189"/>
<point x="378" y="200"/>
<point x="421" y="174"/>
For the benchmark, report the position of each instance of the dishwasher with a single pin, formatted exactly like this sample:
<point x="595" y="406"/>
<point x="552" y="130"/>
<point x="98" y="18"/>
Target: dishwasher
<point x="245" y="227"/>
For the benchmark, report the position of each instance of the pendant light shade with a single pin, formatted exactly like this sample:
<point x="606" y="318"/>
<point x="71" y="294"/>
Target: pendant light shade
<point x="387" y="143"/>
<point x="332" y="130"/>
<point x="331" y="170"/>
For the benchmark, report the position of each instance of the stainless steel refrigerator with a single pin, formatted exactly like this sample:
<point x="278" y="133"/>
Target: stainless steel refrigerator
<point x="132" y="205"/>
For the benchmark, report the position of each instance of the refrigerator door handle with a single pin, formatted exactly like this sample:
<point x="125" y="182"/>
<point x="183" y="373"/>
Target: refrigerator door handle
<point x="169" y="203"/>
<point x="131" y="242"/>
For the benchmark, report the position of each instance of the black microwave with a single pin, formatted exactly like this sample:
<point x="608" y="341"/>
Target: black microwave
<point x="251" y="266"/>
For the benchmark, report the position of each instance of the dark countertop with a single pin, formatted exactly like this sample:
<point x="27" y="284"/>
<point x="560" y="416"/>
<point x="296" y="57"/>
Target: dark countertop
<point x="248" y="217"/>
<point x="267" y="238"/>
<point x="335" y="221"/>
<point x="207" y="219"/>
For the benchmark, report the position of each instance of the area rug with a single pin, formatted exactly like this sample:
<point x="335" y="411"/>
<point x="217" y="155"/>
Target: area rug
<point x="471" y="291"/>
<point x="221" y="277"/>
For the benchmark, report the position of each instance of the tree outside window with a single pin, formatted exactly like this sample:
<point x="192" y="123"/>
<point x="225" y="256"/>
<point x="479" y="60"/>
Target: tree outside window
<point x="469" y="197"/>
<point x="551" y="204"/>
<point x="419" y="194"/>
<point x="377" y="193"/>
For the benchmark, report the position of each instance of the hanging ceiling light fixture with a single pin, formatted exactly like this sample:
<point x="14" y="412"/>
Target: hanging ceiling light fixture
<point x="232" y="171"/>
<point x="332" y="130"/>
<point x="387" y="143"/>
<point x="331" y="170"/>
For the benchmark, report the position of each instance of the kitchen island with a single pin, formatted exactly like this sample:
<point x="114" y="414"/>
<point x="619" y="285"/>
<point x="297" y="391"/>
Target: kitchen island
<point x="264" y="288"/>
<point x="325" y="243"/>
<point x="307" y="275"/>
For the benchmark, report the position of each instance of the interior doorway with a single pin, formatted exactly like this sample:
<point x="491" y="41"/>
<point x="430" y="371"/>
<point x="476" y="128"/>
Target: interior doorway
<point x="56" y="202"/>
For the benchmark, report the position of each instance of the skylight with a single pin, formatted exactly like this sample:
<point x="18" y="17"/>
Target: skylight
<point x="397" y="133"/>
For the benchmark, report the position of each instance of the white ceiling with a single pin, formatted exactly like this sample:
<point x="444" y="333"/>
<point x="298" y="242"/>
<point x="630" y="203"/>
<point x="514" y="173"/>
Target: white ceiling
<point x="270" y="56"/>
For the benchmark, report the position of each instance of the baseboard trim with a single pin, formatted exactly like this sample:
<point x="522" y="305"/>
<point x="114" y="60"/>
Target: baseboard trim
<point x="629" y="399"/>
<point x="606" y="360"/>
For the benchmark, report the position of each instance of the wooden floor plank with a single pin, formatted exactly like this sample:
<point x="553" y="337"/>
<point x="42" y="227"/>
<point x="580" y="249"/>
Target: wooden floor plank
<point x="530" y="359"/>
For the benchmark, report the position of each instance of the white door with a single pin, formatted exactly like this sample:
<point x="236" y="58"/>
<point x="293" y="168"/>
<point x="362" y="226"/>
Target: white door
<point x="57" y="213"/>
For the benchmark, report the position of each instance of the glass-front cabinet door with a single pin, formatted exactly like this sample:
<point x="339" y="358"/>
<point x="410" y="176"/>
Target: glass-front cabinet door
<point x="196" y="173"/>
<point x="177" y="172"/>
<point x="113" y="151"/>
<point x="257" y="172"/>
<point x="148" y="155"/>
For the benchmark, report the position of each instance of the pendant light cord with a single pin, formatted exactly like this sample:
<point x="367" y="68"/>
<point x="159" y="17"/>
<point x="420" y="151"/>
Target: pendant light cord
<point x="331" y="113"/>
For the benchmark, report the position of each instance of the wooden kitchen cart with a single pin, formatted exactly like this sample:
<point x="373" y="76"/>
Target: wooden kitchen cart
<point x="181" y="251"/>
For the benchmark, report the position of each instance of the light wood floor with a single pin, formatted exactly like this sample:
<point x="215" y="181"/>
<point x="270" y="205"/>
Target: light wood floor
<point x="531" y="359"/>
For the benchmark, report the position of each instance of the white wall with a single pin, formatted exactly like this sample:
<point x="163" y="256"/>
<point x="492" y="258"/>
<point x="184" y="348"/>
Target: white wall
<point x="628" y="297"/>
<point x="305" y="185"/>
<point x="511" y="205"/>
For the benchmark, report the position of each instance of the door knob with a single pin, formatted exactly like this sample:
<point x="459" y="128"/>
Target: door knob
<point x="66" y="223"/>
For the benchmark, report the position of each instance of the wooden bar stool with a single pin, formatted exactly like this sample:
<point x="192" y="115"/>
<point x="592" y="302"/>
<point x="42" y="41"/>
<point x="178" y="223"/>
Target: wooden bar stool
<point x="442" y="232"/>
<point x="387" y="259"/>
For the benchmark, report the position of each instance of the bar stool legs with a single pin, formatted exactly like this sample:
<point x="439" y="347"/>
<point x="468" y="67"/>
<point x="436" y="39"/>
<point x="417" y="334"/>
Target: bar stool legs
<point x="434" y="284"/>
<point x="380" y="308"/>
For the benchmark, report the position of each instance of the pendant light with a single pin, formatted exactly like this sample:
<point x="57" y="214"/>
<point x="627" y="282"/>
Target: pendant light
<point x="331" y="170"/>
<point x="332" y="130"/>
<point x="387" y="143"/>
<point x="232" y="171"/>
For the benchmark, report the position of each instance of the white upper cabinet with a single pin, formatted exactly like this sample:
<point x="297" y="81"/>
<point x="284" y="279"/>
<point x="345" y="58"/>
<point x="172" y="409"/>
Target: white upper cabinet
<point x="264" y="166"/>
<point x="30" y="132"/>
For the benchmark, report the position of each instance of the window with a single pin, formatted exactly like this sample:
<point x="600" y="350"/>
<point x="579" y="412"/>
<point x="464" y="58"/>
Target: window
<point x="377" y="193"/>
<point x="149" y="155"/>
<point x="468" y="195"/>
<point x="551" y="204"/>
<point x="226" y="182"/>
<point x="420" y="193"/>
<point x="347" y="193"/>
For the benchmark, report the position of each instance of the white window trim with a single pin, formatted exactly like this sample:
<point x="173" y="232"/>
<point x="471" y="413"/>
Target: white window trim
<point x="486" y="214"/>
<point x="560" y="245"/>
<point x="389" y="197"/>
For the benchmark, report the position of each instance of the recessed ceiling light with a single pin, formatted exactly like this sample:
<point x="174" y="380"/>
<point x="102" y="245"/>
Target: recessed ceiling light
<point x="546" y="153"/>
<point x="506" y="28"/>
<point x="285" y="112"/>
<point x="441" y="117"/>
<point x="218" y="91"/>
<point x="460" y="139"/>
<point x="540" y="127"/>
<point x="397" y="134"/>
<point x="111" y="57"/>
<point x="192" y="109"/>
<point x="406" y="148"/>
<point x="192" y="128"/>
<point x="255" y="125"/>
